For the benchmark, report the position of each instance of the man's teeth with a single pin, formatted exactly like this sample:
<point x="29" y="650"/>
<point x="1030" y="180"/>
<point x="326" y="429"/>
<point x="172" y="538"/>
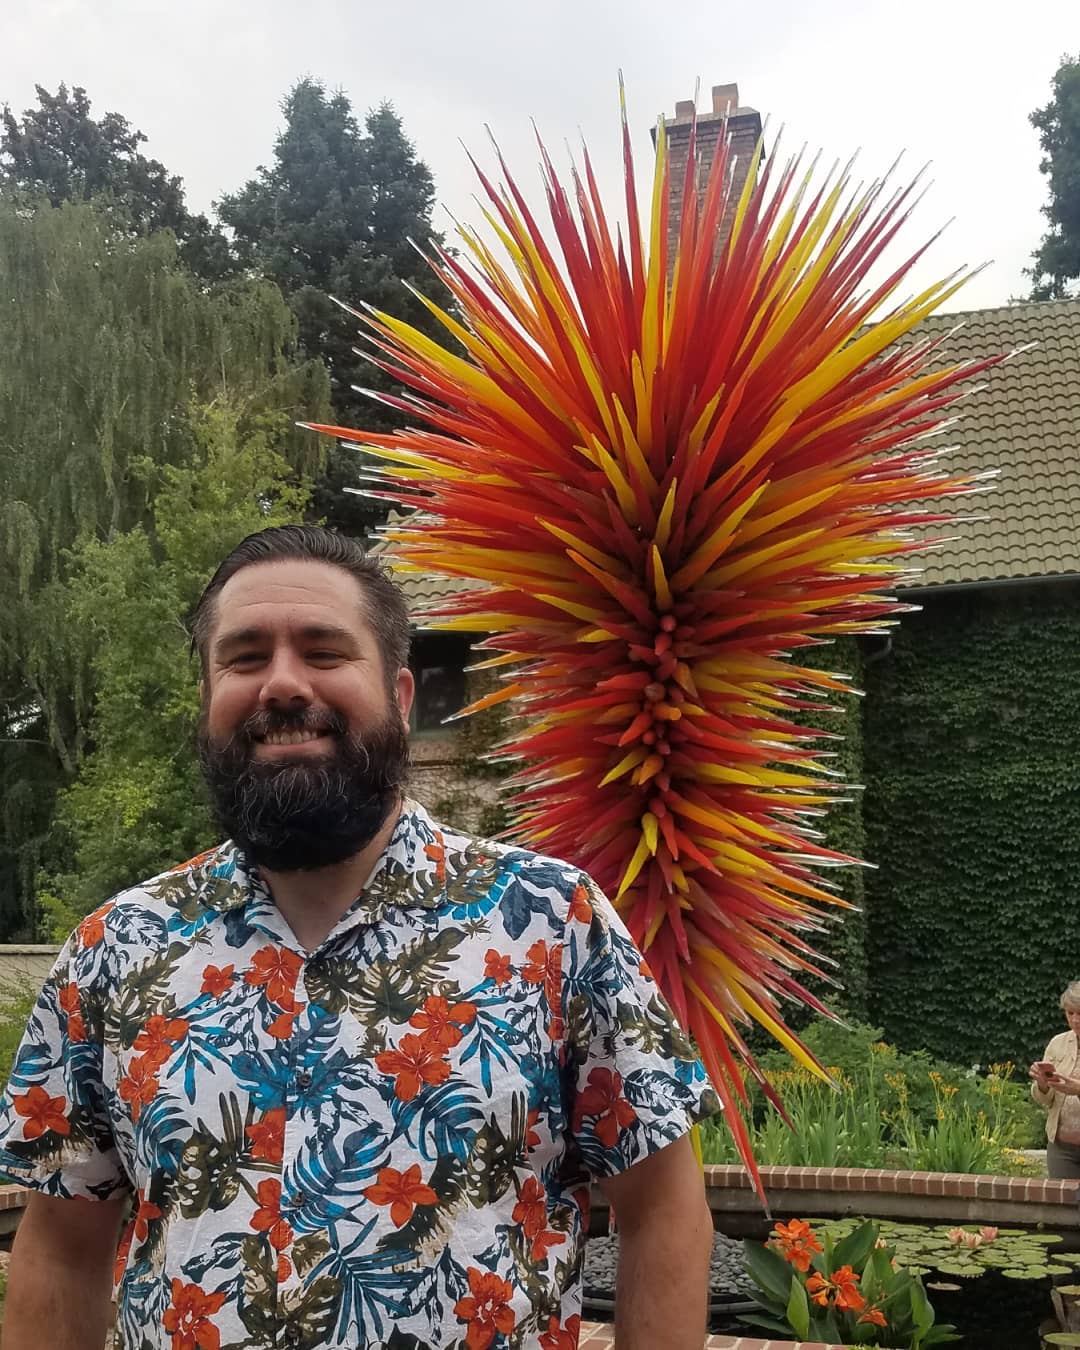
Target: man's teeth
<point x="291" y="737"/>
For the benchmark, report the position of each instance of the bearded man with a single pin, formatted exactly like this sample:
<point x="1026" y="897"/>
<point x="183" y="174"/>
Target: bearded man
<point x="352" y="1073"/>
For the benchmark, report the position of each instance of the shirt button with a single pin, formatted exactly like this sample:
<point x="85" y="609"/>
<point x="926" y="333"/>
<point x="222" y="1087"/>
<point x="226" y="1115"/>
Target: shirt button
<point x="303" y="1080"/>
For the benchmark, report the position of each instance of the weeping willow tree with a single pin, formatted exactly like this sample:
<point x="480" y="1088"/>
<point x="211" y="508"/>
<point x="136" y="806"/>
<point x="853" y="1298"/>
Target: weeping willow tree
<point x="107" y="345"/>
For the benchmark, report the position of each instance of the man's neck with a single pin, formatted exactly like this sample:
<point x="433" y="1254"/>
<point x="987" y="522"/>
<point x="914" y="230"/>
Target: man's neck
<point x="313" y="902"/>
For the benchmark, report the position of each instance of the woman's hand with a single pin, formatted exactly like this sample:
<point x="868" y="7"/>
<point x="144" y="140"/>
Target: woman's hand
<point x="1042" y="1072"/>
<point x="1067" y="1086"/>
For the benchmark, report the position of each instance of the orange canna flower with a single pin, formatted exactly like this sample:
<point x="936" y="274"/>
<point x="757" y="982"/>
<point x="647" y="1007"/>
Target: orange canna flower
<point x="402" y="1191"/>
<point x="485" y="1309"/>
<point x="796" y="1243"/>
<point x="41" y="1113"/>
<point x="442" y="1020"/>
<point x="874" y="1315"/>
<point x="841" y="1288"/>
<point x="188" y="1318"/>
<point x="418" y="1060"/>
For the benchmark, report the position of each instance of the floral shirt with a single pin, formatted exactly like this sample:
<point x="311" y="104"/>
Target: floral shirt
<point x="384" y="1143"/>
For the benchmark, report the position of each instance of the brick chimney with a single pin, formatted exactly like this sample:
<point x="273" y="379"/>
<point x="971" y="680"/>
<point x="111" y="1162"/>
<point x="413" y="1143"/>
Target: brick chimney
<point x="744" y="128"/>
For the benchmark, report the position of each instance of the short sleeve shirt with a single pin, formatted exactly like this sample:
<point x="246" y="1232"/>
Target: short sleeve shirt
<point x="384" y="1143"/>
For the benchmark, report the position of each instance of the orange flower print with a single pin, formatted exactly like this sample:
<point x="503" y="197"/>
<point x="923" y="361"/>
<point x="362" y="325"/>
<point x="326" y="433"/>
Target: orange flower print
<point x="158" y="1038"/>
<point x="188" y="1318"/>
<point x="542" y="1241"/>
<point x="580" y="908"/>
<point x="497" y="967"/>
<point x="402" y="1191"/>
<point x="443" y="1020"/>
<point x="281" y="1027"/>
<point x="139" y="1085"/>
<point x="558" y="1337"/>
<point x="217" y="981"/>
<point x="532" y="1139"/>
<point x="485" y="1309"/>
<point x="92" y="929"/>
<point x="531" y="1208"/>
<point x="267" y="1218"/>
<point x="143" y="1217"/>
<point x="70" y="1005"/>
<point x="437" y="853"/>
<point x="602" y="1097"/>
<point x="284" y="1268"/>
<point x="416" y="1061"/>
<point x="277" y="968"/>
<point x="120" y="1264"/>
<point x="42" y="1112"/>
<point x="268" y="1136"/>
<point x="545" y="967"/>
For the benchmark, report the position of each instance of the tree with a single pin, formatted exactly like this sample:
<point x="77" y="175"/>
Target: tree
<point x="136" y="805"/>
<point x="58" y="152"/>
<point x="1057" y="259"/>
<point x="332" y="218"/>
<point x="103" y="351"/>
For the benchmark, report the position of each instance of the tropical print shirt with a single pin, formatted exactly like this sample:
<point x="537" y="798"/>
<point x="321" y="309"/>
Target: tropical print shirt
<point x="386" y="1142"/>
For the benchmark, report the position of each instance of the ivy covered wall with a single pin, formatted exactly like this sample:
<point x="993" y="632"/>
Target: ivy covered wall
<point x="972" y="812"/>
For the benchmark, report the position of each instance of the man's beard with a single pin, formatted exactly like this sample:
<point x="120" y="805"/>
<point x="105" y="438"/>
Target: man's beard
<point x="297" y="814"/>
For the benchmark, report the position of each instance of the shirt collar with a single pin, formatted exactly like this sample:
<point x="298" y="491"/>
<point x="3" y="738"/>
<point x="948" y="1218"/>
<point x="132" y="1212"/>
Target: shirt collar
<point x="409" y="874"/>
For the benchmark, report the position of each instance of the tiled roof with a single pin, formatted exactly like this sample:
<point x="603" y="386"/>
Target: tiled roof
<point x="1025" y="423"/>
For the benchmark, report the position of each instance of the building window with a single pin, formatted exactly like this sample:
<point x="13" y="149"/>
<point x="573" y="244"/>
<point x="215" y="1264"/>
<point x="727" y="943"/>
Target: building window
<point x="438" y="664"/>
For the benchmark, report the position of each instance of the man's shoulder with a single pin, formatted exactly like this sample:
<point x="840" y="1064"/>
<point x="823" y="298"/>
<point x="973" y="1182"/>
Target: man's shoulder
<point x="168" y="890"/>
<point x="509" y="858"/>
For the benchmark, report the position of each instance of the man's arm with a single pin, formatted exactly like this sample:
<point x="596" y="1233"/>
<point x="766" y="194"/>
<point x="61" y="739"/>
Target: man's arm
<point x="60" y="1279"/>
<point x="665" y="1245"/>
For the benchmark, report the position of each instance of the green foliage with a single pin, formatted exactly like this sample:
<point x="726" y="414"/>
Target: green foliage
<point x="17" y="1000"/>
<point x="852" y="1289"/>
<point x="973" y="818"/>
<point x="58" y="152"/>
<point x="332" y="219"/>
<point x="108" y="343"/>
<point x="136" y="805"/>
<point x="889" y="1110"/>
<point x="1056" y="262"/>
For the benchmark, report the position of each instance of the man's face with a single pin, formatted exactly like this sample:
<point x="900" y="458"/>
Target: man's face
<point x="303" y="737"/>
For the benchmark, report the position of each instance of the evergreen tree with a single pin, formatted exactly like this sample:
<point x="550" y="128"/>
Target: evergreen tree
<point x="60" y="153"/>
<point x="332" y="218"/>
<point x="1057" y="260"/>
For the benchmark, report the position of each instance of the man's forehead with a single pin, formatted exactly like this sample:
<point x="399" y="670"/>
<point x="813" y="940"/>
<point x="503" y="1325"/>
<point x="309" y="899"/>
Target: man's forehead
<point x="285" y="590"/>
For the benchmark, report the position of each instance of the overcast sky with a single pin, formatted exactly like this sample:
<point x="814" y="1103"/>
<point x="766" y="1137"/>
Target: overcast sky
<point x="949" y="81"/>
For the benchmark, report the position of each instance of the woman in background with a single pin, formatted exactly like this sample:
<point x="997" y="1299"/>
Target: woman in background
<point x="1055" y="1085"/>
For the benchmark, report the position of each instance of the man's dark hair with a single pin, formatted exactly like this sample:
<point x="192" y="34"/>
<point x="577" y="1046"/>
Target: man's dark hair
<point x="386" y="611"/>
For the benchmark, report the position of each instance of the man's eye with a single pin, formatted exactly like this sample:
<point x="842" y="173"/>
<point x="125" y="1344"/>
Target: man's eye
<point x="246" y="658"/>
<point x="324" y="656"/>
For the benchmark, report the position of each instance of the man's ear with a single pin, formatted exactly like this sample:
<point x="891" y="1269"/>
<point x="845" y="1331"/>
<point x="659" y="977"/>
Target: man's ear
<point x="406" y="692"/>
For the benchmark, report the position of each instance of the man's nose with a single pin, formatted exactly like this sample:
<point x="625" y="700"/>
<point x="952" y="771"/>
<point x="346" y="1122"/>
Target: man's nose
<point x="286" y="681"/>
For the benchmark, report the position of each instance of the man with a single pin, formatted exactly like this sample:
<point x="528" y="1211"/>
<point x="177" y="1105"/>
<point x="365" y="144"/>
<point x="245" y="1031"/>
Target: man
<point x="354" y="1070"/>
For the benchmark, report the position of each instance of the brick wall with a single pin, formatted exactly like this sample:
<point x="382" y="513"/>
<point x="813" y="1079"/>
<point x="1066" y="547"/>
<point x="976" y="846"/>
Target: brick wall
<point x="744" y="129"/>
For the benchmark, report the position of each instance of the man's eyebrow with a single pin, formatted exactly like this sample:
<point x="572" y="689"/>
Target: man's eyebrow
<point x="312" y="632"/>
